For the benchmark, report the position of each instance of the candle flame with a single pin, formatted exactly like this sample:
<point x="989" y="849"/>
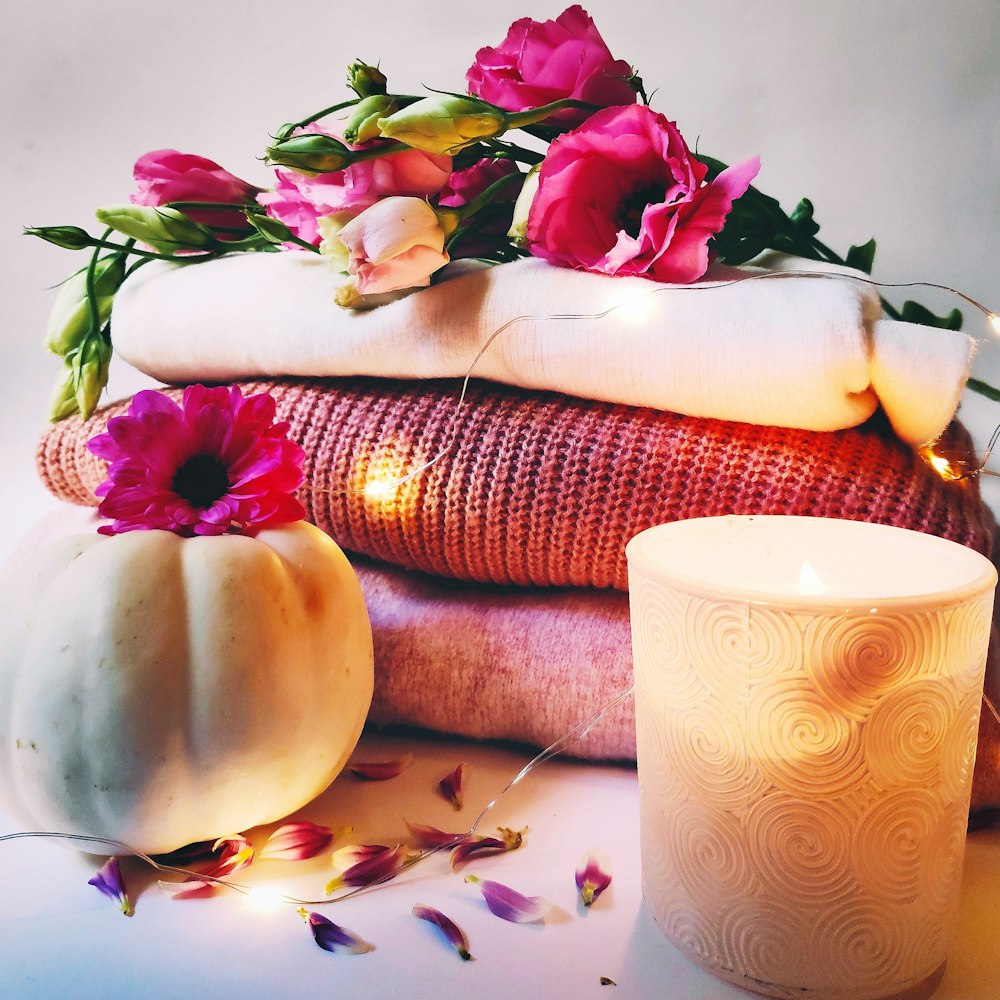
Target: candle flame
<point x="809" y="581"/>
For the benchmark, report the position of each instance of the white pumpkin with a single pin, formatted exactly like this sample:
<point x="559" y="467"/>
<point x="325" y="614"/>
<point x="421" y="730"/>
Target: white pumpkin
<point x="161" y="690"/>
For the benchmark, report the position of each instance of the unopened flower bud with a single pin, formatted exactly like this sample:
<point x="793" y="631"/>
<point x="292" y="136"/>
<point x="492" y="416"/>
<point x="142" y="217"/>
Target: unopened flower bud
<point x="311" y="153"/>
<point x="273" y="230"/>
<point x="331" y="246"/>
<point x="81" y="381"/>
<point x="70" y="322"/>
<point x="167" y="229"/>
<point x="518" y="232"/>
<point x="365" y="80"/>
<point x="68" y="237"/>
<point x="362" y="123"/>
<point x="93" y="375"/>
<point x="444" y="123"/>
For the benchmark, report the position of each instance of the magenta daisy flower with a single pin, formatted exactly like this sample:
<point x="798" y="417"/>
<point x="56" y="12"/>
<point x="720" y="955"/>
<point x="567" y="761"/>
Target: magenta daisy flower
<point x="215" y="464"/>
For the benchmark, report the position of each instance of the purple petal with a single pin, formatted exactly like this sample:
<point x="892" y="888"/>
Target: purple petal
<point x="508" y="903"/>
<point x="431" y="836"/>
<point x="332" y="937"/>
<point x="509" y="840"/>
<point x="451" y="786"/>
<point x="367" y="864"/>
<point x="381" y="770"/>
<point x="592" y="876"/>
<point x="452" y="931"/>
<point x="109" y="881"/>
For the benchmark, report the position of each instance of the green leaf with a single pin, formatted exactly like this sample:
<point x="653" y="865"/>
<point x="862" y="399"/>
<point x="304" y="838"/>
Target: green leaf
<point x="914" y="312"/>
<point x="862" y="257"/>
<point x="802" y="217"/>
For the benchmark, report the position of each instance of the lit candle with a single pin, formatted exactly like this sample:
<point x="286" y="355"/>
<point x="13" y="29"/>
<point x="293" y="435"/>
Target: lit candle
<point x="807" y="696"/>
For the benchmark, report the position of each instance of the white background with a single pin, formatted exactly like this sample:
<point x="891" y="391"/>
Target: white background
<point x="884" y="112"/>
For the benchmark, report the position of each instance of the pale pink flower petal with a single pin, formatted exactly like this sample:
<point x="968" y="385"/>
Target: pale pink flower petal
<point x="432" y="837"/>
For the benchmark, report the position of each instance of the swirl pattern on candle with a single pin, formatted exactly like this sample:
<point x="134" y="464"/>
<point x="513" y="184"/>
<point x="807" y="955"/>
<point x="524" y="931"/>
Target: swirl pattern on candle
<point x="812" y="787"/>
<point x="968" y="638"/>
<point x="800" y="744"/>
<point x="958" y="751"/>
<point x="797" y="848"/>
<point x="660" y="643"/>
<point x="855" y="660"/>
<point x="861" y="940"/>
<point x="905" y="731"/>
<point x="707" y="750"/>
<point x="891" y="843"/>
<point x="765" y="935"/>
<point x="721" y="640"/>
<point x="708" y="852"/>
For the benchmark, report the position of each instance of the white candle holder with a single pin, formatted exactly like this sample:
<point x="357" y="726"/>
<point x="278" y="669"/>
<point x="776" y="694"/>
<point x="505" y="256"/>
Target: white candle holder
<point x="807" y="703"/>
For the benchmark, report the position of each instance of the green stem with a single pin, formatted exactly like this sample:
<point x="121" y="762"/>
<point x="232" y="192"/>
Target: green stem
<point x="984" y="389"/>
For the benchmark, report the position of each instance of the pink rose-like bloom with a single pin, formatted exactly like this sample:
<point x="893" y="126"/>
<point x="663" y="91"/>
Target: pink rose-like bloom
<point x="299" y="199"/>
<point x="397" y="243"/>
<point x="164" y="176"/>
<point x="623" y="194"/>
<point x="544" y="61"/>
<point x="215" y="464"/>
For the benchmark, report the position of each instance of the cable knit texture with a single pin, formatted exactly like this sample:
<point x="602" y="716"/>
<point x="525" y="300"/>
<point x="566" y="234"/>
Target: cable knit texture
<point x="543" y="489"/>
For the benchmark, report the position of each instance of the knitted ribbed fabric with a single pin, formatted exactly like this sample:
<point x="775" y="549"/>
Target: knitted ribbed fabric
<point x="542" y="489"/>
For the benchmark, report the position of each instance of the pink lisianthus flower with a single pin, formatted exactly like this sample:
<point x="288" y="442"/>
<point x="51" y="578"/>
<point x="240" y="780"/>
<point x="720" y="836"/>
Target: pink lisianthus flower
<point x="488" y="228"/>
<point x="215" y="464"/>
<point x="299" y="199"/>
<point x="544" y="61"/>
<point x="623" y="194"/>
<point x="164" y="176"/>
<point x="396" y="243"/>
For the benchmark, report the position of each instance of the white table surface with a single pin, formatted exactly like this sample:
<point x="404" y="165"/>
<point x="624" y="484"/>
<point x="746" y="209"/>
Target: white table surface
<point x="59" y="937"/>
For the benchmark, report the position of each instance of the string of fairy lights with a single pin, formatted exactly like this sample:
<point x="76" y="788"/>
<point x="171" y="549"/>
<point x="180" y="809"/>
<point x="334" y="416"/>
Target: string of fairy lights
<point x="950" y="469"/>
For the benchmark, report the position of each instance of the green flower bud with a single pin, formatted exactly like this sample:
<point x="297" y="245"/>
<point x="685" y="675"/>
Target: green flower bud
<point x="93" y="375"/>
<point x="518" y="232"/>
<point x="273" y="230"/>
<point x="362" y="124"/>
<point x="70" y="319"/>
<point x="365" y="80"/>
<point x="68" y="237"/>
<point x="81" y="381"/>
<point x="167" y="229"/>
<point x="444" y="123"/>
<point x="312" y="154"/>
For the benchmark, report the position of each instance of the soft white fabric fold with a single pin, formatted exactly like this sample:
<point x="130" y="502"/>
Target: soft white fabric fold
<point x="791" y="350"/>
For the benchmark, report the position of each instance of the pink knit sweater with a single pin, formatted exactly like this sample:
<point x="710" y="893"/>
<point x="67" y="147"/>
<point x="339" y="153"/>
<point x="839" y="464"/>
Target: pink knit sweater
<point x="543" y="489"/>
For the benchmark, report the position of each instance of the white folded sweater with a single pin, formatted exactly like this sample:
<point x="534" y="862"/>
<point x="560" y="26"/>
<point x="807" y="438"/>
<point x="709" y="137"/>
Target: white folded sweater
<point x="799" y="350"/>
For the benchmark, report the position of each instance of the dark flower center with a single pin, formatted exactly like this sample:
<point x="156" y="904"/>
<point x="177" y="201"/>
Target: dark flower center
<point x="631" y="207"/>
<point x="201" y="480"/>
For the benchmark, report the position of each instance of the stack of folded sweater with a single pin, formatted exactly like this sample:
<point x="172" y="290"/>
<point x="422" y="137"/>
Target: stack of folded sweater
<point x="496" y="578"/>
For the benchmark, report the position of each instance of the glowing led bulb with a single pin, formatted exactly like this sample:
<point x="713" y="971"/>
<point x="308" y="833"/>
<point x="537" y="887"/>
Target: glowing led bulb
<point x="994" y="321"/>
<point x="262" y="897"/>
<point x="636" y="308"/>
<point x="379" y="489"/>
